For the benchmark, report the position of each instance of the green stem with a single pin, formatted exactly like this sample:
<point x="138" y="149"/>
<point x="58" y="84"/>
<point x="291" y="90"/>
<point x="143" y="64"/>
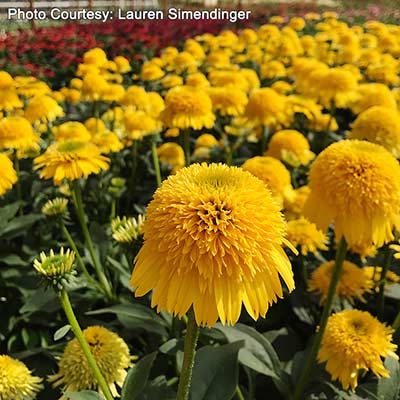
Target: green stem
<point x="156" y="161"/>
<point x="69" y="312"/>
<point x="396" y="323"/>
<point x="186" y="145"/>
<point x="337" y="270"/>
<point x="239" y="393"/>
<point x="75" y="249"/>
<point x="113" y="208"/>
<point x="381" y="295"/>
<point x="192" y="334"/>
<point x="77" y="197"/>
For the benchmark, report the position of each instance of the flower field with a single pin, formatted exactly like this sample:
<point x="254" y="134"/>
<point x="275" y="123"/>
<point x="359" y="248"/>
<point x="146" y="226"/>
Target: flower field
<point x="201" y="211"/>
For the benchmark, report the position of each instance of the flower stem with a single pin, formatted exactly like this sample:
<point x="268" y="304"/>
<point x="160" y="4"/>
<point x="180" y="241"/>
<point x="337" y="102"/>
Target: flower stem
<point x="69" y="312"/>
<point x="396" y="323"/>
<point x="19" y="191"/>
<point x="337" y="270"/>
<point x="192" y="334"/>
<point x="239" y="393"/>
<point x="186" y="145"/>
<point x="156" y="161"/>
<point x="77" y="197"/>
<point x="381" y="295"/>
<point x="75" y="249"/>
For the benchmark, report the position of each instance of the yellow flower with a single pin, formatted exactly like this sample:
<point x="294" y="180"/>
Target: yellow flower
<point x="171" y="81"/>
<point x="16" y="381"/>
<point x="111" y="354"/>
<point x="136" y="98"/>
<point x="31" y="87"/>
<point x="43" y="108"/>
<point x="8" y="175"/>
<point x="107" y="142"/>
<point x="227" y="100"/>
<point x="373" y="94"/>
<point x="276" y="19"/>
<point x="272" y="69"/>
<point x="266" y="107"/>
<point x="93" y="86"/>
<point x="206" y="140"/>
<point x="363" y="251"/>
<point x="6" y="80"/>
<point x="9" y="100"/>
<point x="71" y="95"/>
<point x="57" y="206"/>
<point x="171" y="154"/>
<point x="354" y="340"/>
<point x="379" y="125"/>
<point x="282" y="87"/>
<point x="56" y="268"/>
<point x="374" y="273"/>
<point x="194" y="48"/>
<point x="290" y="146"/>
<point x="71" y="130"/>
<point x="322" y="122"/>
<point x="151" y="72"/>
<point x="356" y="184"/>
<point x="353" y="282"/>
<point x="227" y="79"/>
<point x="112" y="92"/>
<point x="273" y="173"/>
<point x="138" y="124"/>
<point x="304" y="234"/>
<point x="188" y="107"/>
<point x="17" y="133"/>
<point x="183" y="62"/>
<point x="122" y="64"/>
<point x="297" y="23"/>
<point x="125" y="230"/>
<point x="71" y="160"/>
<point x="96" y="56"/>
<point x="197" y="79"/>
<point x="203" y="246"/>
<point x="294" y="204"/>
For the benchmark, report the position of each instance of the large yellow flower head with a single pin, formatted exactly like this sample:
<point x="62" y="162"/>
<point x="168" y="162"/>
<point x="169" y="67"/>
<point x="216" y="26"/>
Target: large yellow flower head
<point x="356" y="184"/>
<point x="304" y="234"/>
<point x="43" y="108"/>
<point x="354" y="340"/>
<point x="227" y="101"/>
<point x="70" y="159"/>
<point x="16" y="381"/>
<point x="96" y="56"/>
<point x="353" y="283"/>
<point x="265" y="107"/>
<point x="273" y="173"/>
<point x="17" y="133"/>
<point x="373" y="94"/>
<point x="379" y="125"/>
<point x="188" y="107"/>
<point x="111" y="354"/>
<point x="8" y="175"/>
<point x="9" y="100"/>
<point x="213" y="240"/>
<point x="290" y="146"/>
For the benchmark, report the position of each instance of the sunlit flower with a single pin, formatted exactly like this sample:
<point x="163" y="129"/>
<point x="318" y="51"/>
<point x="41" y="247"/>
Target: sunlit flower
<point x="93" y="87"/>
<point x="172" y="154"/>
<point x="71" y="130"/>
<point x="96" y="56"/>
<point x="111" y="354"/>
<point x="273" y="173"/>
<point x="151" y="72"/>
<point x="17" y="133"/>
<point x="373" y="94"/>
<point x="16" y="381"/>
<point x="227" y="101"/>
<point x="188" y="107"/>
<point x="290" y="146"/>
<point x="379" y="125"/>
<point x="304" y="234"/>
<point x="123" y="64"/>
<point x="203" y="247"/>
<point x="71" y="160"/>
<point x="353" y="282"/>
<point x="43" y="108"/>
<point x="127" y="229"/>
<point x="355" y="341"/>
<point x="9" y="100"/>
<point x="356" y="184"/>
<point x="8" y="174"/>
<point x="206" y="140"/>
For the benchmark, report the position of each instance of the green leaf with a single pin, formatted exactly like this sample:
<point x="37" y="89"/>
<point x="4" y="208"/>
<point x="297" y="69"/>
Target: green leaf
<point x="84" y="395"/>
<point x="158" y="389"/>
<point x="7" y="212"/>
<point x="60" y="333"/>
<point x="12" y="260"/>
<point x="38" y="300"/>
<point x="389" y="388"/>
<point x="19" y="225"/>
<point x="136" y="316"/>
<point x="257" y="353"/>
<point x="137" y="378"/>
<point x="215" y="372"/>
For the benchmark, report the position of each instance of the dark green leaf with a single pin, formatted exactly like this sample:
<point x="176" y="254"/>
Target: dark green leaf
<point x="7" y="212"/>
<point x="19" y="225"/>
<point x="60" y="333"/>
<point x="158" y="389"/>
<point x="137" y="378"/>
<point x="38" y="300"/>
<point x="12" y="260"/>
<point x="215" y="372"/>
